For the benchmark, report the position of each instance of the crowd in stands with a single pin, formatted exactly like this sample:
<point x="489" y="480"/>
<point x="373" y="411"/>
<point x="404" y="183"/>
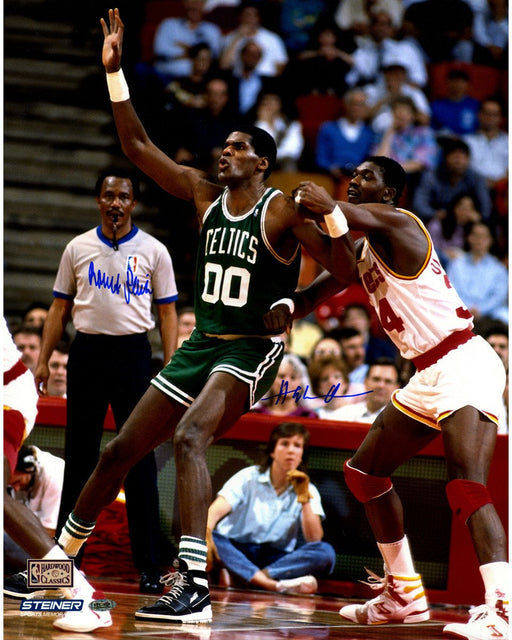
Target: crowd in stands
<point x="422" y="81"/>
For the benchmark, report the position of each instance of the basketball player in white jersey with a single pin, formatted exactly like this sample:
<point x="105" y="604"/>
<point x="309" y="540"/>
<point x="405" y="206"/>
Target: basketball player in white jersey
<point x="456" y="390"/>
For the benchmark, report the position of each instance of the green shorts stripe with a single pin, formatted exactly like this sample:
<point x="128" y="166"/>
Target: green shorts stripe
<point x="254" y="361"/>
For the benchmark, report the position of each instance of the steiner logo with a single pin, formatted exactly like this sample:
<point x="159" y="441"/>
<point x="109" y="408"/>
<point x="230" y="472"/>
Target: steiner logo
<point x="102" y="605"/>
<point x="51" y="605"/>
<point x="49" y="574"/>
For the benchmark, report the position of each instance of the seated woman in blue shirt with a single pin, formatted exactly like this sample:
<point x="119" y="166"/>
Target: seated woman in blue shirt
<point x="255" y="521"/>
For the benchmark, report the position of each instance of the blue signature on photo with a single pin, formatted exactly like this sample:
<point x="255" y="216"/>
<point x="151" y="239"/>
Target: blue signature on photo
<point x="132" y="287"/>
<point x="301" y="393"/>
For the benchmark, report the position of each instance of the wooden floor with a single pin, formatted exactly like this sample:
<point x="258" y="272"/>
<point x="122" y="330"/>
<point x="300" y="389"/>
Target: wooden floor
<point x="237" y="615"/>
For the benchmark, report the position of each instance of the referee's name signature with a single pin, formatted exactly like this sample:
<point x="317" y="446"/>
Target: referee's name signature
<point x="301" y="393"/>
<point x="131" y="287"/>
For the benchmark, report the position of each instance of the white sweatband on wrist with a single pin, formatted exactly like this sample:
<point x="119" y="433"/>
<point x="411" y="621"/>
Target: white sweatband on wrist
<point x="336" y="223"/>
<point x="287" y="301"/>
<point x="117" y="86"/>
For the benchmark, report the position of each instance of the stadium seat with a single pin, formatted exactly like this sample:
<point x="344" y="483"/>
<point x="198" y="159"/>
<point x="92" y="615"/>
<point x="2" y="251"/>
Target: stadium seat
<point x="484" y="81"/>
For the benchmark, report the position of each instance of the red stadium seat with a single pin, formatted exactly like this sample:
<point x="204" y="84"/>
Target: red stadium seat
<point x="484" y="81"/>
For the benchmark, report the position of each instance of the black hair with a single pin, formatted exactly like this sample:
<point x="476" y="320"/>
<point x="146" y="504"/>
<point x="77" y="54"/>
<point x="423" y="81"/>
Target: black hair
<point x="37" y="304"/>
<point x="28" y="329"/>
<point x="118" y="172"/>
<point x="384" y="361"/>
<point x="27" y="459"/>
<point x="449" y="222"/>
<point x="286" y="430"/>
<point x="393" y="174"/>
<point x="263" y="143"/>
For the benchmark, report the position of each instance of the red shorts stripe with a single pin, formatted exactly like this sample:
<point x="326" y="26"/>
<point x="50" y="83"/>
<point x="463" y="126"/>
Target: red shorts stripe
<point x="451" y="342"/>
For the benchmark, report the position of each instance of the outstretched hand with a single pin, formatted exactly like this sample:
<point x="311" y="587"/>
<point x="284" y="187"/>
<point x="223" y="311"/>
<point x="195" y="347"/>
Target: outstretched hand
<point x="113" y="42"/>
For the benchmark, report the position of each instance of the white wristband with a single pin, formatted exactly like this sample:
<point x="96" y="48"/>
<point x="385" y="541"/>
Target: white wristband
<point x="336" y="223"/>
<point x="117" y="86"/>
<point x="287" y="301"/>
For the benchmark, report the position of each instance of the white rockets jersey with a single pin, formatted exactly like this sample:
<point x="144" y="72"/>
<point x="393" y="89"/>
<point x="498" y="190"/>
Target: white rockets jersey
<point x="417" y="312"/>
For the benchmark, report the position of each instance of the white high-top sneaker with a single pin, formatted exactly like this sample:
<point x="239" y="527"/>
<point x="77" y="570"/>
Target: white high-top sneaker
<point x="403" y="600"/>
<point x="485" y="623"/>
<point x="88" y="619"/>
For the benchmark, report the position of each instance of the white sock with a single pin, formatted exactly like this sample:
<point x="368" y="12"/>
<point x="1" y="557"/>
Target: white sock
<point x="397" y="557"/>
<point x="79" y="581"/>
<point x="496" y="577"/>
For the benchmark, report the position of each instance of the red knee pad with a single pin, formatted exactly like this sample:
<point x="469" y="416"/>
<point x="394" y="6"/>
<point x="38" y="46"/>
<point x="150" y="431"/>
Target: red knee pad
<point x="466" y="496"/>
<point x="363" y="486"/>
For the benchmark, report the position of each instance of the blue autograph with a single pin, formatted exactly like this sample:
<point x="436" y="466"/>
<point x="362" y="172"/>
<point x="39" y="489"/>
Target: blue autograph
<point x="302" y="393"/>
<point x="132" y="286"/>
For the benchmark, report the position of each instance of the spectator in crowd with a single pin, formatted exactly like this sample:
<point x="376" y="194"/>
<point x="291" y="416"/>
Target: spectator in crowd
<point x="186" y="324"/>
<point x="344" y="143"/>
<point x="357" y="316"/>
<point x="272" y="117"/>
<point x="496" y="335"/>
<point x="247" y="82"/>
<point x="175" y="37"/>
<point x="110" y="356"/>
<point x="36" y="482"/>
<point x="480" y="278"/>
<point x="490" y="30"/>
<point x="28" y="340"/>
<point x="448" y="231"/>
<point x="392" y="83"/>
<point x="325" y="347"/>
<point x="286" y="395"/>
<point x="353" y="351"/>
<point x="382" y="378"/>
<point x="489" y="141"/>
<point x="457" y="113"/>
<point x="275" y="56"/>
<point x="330" y="385"/>
<point x="297" y="21"/>
<point x="189" y="92"/>
<point x="58" y="370"/>
<point x="437" y="22"/>
<point x="453" y="176"/>
<point x="380" y="49"/>
<point x="35" y="314"/>
<point x="255" y="521"/>
<point x="202" y="133"/>
<point x="412" y="145"/>
<point x="353" y="15"/>
<point x="321" y="67"/>
<point x="462" y="46"/>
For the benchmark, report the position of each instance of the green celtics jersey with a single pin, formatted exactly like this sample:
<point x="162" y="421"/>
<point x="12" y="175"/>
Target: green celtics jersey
<point x="239" y="275"/>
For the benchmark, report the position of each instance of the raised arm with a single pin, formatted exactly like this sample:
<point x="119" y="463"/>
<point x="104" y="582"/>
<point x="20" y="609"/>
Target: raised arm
<point x="180" y="181"/>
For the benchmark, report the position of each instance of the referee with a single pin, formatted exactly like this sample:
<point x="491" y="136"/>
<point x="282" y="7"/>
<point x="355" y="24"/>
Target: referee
<point x="107" y="280"/>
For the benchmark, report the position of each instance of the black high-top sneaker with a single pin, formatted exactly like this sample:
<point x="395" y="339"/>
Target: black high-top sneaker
<point x="188" y="600"/>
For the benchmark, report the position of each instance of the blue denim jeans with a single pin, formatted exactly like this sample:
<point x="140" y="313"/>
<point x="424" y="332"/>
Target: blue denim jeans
<point x="243" y="560"/>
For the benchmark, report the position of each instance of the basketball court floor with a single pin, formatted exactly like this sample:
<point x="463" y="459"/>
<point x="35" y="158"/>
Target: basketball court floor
<point x="237" y="615"/>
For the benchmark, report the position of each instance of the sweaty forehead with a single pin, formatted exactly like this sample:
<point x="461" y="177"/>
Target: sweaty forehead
<point x="238" y="136"/>
<point x="369" y="167"/>
<point x="113" y="182"/>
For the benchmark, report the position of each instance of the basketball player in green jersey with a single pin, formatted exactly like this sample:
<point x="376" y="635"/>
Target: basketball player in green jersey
<point x="248" y="259"/>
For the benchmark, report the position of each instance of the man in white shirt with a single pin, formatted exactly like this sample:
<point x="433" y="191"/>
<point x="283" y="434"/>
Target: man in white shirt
<point x="382" y="378"/>
<point x="489" y="142"/>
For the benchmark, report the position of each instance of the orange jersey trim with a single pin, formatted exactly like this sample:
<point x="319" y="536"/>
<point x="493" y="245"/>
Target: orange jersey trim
<point x="427" y="259"/>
